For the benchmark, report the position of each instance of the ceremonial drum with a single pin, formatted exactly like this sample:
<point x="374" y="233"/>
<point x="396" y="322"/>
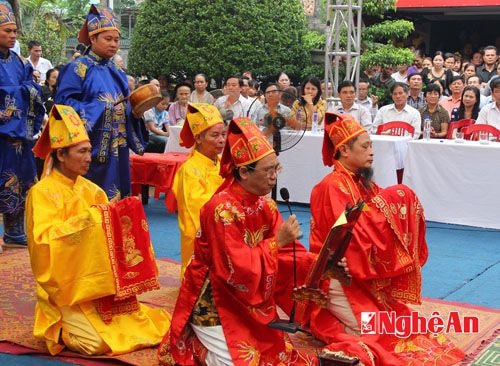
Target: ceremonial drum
<point x="144" y="98"/>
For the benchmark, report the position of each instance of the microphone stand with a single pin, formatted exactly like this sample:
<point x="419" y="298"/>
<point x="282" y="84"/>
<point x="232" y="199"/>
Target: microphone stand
<point x="289" y="326"/>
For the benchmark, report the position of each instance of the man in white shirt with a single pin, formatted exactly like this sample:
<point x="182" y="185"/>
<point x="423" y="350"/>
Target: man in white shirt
<point x="399" y="110"/>
<point x="35" y="58"/>
<point x="371" y="104"/>
<point x="233" y="104"/>
<point x="347" y="95"/>
<point x="490" y="113"/>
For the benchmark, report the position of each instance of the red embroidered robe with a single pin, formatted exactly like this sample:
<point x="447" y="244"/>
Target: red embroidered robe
<point x="384" y="258"/>
<point x="249" y="276"/>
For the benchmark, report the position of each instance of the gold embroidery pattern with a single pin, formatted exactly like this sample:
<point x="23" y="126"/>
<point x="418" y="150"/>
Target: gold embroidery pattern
<point x="81" y="69"/>
<point x="228" y="213"/>
<point x="249" y="353"/>
<point x="238" y="286"/>
<point x="132" y="255"/>
<point x="253" y="238"/>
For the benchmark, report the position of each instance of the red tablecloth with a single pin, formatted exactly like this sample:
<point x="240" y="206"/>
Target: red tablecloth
<point x="157" y="170"/>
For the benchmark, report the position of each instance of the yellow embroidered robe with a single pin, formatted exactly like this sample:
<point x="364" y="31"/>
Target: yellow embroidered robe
<point x="194" y="184"/>
<point x="71" y="266"/>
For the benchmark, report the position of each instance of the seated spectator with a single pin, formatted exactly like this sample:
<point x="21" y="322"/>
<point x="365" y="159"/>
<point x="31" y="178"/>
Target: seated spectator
<point x="469" y="70"/>
<point x="415" y="96"/>
<point x="310" y="103"/>
<point x="157" y="123"/>
<point x="272" y="108"/>
<point x="475" y="81"/>
<point x="233" y="104"/>
<point x="283" y="81"/>
<point x="371" y="104"/>
<point x="384" y="81"/>
<point x="132" y="83"/>
<point x="490" y="113"/>
<point x="426" y="63"/>
<point x="84" y="302"/>
<point x="399" y="111"/>
<point x="417" y="66"/>
<point x="457" y="66"/>
<point x="439" y="116"/>
<point x="288" y="96"/>
<point x="456" y="88"/>
<point x="178" y="109"/>
<point x="477" y="58"/>
<point x="401" y="74"/>
<point x="469" y="105"/>
<point x="347" y="105"/>
<point x="449" y="62"/>
<point x="200" y="93"/>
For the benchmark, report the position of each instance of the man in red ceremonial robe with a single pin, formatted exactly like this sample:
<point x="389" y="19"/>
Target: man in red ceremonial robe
<point x="385" y="255"/>
<point x="242" y="266"/>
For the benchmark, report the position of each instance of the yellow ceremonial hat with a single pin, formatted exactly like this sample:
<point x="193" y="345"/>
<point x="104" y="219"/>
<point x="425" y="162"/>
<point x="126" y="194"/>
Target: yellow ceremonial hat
<point x="64" y="129"/>
<point x="199" y="117"/>
<point x="339" y="129"/>
<point x="245" y="144"/>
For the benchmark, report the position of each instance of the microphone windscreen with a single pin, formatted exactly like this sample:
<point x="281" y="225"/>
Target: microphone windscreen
<point x="285" y="195"/>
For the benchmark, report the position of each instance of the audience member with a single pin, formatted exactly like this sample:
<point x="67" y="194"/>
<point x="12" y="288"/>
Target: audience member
<point x="415" y="96"/>
<point x="401" y="74"/>
<point x="283" y="80"/>
<point x="95" y="87"/>
<point x="40" y="64"/>
<point x="477" y="58"/>
<point x="21" y="115"/>
<point x="490" y="113"/>
<point x="399" y="110"/>
<point x="198" y="178"/>
<point x="469" y="70"/>
<point x="384" y="81"/>
<point x="456" y="86"/>
<point x="233" y="104"/>
<point x="178" y="109"/>
<point x="87" y="278"/>
<point x="475" y="81"/>
<point x="417" y="66"/>
<point x="132" y="83"/>
<point x="439" y="116"/>
<point x="347" y="94"/>
<point x="310" y="105"/>
<point x="157" y="123"/>
<point x="371" y="103"/>
<point x="449" y="62"/>
<point x="427" y="63"/>
<point x="200" y="93"/>
<point x="271" y="108"/>
<point x="49" y="89"/>
<point x="469" y="105"/>
<point x="437" y="71"/>
<point x="488" y="68"/>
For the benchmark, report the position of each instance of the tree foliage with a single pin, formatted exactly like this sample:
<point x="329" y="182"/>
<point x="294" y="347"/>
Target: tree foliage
<point x="218" y="37"/>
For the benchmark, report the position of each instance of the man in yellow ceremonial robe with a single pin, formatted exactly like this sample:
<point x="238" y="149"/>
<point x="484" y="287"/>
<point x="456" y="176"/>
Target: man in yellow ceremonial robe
<point x="70" y="255"/>
<point x="198" y="178"/>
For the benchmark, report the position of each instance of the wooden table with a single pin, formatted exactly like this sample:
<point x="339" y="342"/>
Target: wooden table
<point x="157" y="170"/>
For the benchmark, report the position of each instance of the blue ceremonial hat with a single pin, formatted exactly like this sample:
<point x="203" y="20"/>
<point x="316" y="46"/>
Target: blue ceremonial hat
<point x="99" y="19"/>
<point x="6" y="13"/>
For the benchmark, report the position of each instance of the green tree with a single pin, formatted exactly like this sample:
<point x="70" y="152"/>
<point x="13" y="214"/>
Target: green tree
<point x="218" y="37"/>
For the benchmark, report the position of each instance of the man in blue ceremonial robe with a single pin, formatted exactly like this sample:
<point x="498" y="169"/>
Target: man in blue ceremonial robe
<point x="21" y="115"/>
<point x="95" y="87"/>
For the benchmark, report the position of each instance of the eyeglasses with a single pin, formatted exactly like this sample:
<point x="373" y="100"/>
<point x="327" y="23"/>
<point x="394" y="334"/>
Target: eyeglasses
<point x="269" y="171"/>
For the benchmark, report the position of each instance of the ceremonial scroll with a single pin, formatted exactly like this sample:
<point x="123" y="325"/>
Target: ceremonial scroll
<point x="332" y="251"/>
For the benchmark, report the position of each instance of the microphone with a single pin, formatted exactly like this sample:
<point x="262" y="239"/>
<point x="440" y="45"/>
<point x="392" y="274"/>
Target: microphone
<point x="285" y="196"/>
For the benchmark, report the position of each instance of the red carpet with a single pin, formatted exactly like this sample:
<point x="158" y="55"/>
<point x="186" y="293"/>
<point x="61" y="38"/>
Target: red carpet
<point x="17" y="301"/>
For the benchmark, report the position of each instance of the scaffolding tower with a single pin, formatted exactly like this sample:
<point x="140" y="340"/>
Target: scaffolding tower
<point x="343" y="42"/>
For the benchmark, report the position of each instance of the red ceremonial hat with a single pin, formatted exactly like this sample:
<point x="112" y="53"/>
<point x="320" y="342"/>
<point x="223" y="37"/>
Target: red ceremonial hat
<point x="245" y="144"/>
<point x="339" y="129"/>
